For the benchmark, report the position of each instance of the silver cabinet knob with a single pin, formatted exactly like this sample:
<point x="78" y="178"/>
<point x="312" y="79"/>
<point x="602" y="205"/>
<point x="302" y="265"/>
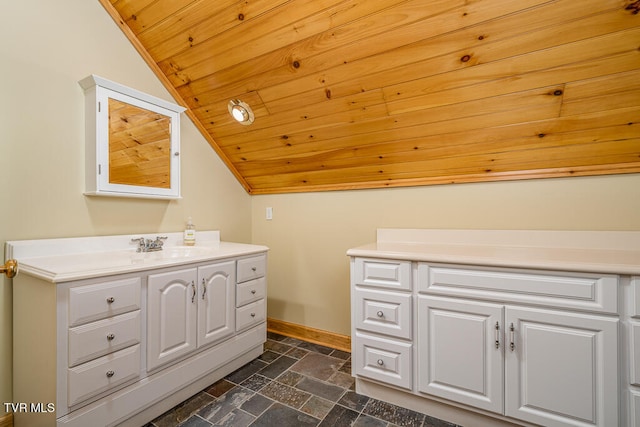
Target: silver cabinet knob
<point x="254" y="268"/>
<point x="110" y="374"/>
<point x="380" y="314"/>
<point x="253" y="291"/>
<point x="111" y="300"/>
<point x="253" y="315"/>
<point x="110" y="337"/>
<point x="380" y="362"/>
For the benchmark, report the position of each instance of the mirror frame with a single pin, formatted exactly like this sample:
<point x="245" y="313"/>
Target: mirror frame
<point x="98" y="91"/>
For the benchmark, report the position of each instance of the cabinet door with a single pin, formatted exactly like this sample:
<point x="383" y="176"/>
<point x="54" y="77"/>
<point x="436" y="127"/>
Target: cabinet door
<point x="562" y="369"/>
<point x="171" y="319"/>
<point x="216" y="304"/>
<point x="458" y="358"/>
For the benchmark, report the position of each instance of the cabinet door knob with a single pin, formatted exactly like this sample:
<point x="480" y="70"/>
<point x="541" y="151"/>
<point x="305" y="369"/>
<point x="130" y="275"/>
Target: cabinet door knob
<point x="111" y="300"/>
<point x="254" y="268"/>
<point x="380" y="314"/>
<point x="253" y="315"/>
<point x="110" y="374"/>
<point x="110" y="337"/>
<point x="380" y="362"/>
<point x="253" y="291"/>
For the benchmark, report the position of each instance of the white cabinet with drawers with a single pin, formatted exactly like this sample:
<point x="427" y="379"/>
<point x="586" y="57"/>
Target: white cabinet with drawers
<point x="471" y="334"/>
<point x="105" y="352"/>
<point x="382" y="307"/>
<point x="125" y="344"/>
<point x="251" y="292"/>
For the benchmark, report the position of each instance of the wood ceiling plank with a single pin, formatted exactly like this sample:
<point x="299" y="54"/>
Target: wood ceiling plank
<point x="606" y="102"/>
<point x="418" y="137"/>
<point x="202" y="21"/>
<point x="254" y="37"/>
<point x="224" y="124"/>
<point x="460" y="144"/>
<point x="154" y="13"/>
<point x="358" y="58"/>
<point x="558" y="157"/>
<point x="324" y="42"/>
<point x="130" y="8"/>
<point x="598" y="86"/>
<point x="510" y="102"/>
<point x="437" y="148"/>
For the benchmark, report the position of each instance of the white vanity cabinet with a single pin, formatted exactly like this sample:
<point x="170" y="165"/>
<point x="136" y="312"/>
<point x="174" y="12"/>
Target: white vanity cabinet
<point x="498" y="337"/>
<point x="103" y="338"/>
<point x="382" y="346"/>
<point x="122" y="344"/>
<point x="251" y="292"/>
<point x="188" y="309"/>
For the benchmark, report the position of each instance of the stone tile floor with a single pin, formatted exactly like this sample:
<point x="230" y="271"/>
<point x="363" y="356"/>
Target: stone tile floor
<point x="294" y="383"/>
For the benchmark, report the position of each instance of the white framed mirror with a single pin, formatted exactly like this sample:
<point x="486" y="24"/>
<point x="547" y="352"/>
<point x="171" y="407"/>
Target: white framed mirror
<point x="132" y="142"/>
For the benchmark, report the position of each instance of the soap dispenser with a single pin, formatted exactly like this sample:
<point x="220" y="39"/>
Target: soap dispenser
<point x="190" y="233"/>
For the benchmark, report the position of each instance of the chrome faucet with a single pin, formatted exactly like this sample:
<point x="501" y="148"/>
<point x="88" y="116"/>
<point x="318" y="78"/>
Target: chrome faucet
<point x="148" y="245"/>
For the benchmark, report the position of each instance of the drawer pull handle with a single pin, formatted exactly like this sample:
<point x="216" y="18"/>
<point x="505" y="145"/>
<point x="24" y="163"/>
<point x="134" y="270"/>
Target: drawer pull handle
<point x="380" y="314"/>
<point x="111" y="337"/>
<point x="111" y="300"/>
<point x="512" y="346"/>
<point x="254" y="268"/>
<point x="253" y="315"/>
<point x="253" y="291"/>
<point x="110" y="374"/>
<point x="380" y="362"/>
<point x="497" y="335"/>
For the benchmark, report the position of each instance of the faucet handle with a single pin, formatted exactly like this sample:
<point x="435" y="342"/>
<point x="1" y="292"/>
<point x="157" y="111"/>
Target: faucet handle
<point x="141" y="243"/>
<point x="159" y="241"/>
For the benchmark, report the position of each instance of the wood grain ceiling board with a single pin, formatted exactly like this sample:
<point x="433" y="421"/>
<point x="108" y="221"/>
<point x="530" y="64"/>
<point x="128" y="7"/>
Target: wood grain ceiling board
<point x="352" y="94"/>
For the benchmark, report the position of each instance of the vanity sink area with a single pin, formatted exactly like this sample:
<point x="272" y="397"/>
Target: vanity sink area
<point x="476" y="327"/>
<point x="124" y="334"/>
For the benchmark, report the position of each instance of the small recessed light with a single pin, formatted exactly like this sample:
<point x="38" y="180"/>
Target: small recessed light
<point x="241" y="112"/>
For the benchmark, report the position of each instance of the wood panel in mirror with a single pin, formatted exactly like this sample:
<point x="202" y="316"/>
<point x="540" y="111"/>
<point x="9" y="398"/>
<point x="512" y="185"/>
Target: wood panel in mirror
<point x="139" y="146"/>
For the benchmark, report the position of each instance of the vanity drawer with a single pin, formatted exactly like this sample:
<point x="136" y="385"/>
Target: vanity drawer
<point x="382" y="273"/>
<point x="383" y="360"/>
<point x="251" y="268"/>
<point x="383" y="312"/>
<point x="94" y="302"/>
<point x="105" y="336"/>
<point x="100" y="375"/>
<point x="593" y="292"/>
<point x="250" y="314"/>
<point x="250" y="291"/>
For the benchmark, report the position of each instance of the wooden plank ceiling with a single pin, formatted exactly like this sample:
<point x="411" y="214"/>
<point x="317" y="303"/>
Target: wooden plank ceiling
<point x="354" y="94"/>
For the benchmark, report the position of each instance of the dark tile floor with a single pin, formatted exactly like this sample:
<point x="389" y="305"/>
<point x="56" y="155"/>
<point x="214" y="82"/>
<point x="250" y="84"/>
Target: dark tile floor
<point x="294" y="383"/>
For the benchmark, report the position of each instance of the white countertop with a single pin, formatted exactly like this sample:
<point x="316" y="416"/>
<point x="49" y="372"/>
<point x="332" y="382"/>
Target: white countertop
<point x="598" y="252"/>
<point x="63" y="260"/>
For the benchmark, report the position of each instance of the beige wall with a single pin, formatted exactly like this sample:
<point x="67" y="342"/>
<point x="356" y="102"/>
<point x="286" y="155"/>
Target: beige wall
<point x="46" y="48"/>
<point x="310" y="233"/>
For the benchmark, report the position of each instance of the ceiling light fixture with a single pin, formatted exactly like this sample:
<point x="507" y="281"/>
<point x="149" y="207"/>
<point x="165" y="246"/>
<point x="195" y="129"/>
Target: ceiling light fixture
<point x="241" y="111"/>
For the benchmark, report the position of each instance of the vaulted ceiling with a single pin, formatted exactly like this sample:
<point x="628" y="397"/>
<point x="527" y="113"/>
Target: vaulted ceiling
<point x="352" y="94"/>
